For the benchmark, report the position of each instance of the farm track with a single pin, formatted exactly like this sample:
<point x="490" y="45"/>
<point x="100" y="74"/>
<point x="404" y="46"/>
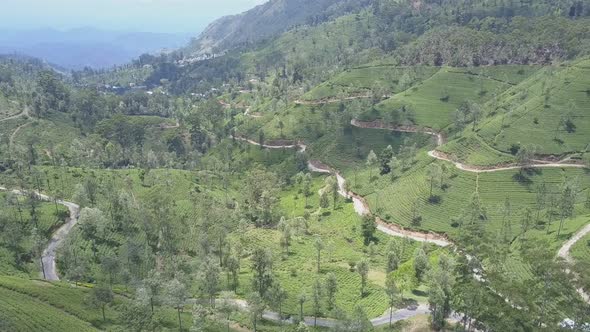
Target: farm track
<point x="25" y="112"/>
<point x="564" y="252"/>
<point x="16" y="116"/>
<point x="362" y="207"/>
<point x="48" y="256"/>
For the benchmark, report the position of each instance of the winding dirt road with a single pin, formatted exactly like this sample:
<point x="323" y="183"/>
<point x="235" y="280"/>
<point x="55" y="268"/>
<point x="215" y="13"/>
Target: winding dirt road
<point x="440" y="140"/>
<point x="360" y="204"/>
<point x="48" y="255"/>
<point x="16" y="116"/>
<point x="362" y="208"/>
<point x="564" y="252"/>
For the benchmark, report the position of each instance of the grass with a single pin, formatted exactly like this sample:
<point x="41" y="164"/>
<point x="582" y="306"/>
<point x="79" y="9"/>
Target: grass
<point x="339" y="229"/>
<point x="361" y="80"/>
<point x="33" y="305"/>
<point x="581" y="250"/>
<point x="470" y="149"/>
<point x="534" y="112"/>
<point x="349" y="149"/>
<point x="435" y="99"/>
<point x="48" y="222"/>
<point x="24" y="313"/>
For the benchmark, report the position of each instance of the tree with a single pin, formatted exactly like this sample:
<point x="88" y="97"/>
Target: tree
<point x="286" y="235"/>
<point x="541" y="198"/>
<point x="209" y="279"/>
<point x="110" y="266"/>
<point x="37" y="249"/>
<point x="334" y="188"/>
<point x="261" y="138"/>
<point x="100" y="297"/>
<point x="384" y="159"/>
<point x="436" y="301"/>
<point x="136" y="316"/>
<point x="363" y="270"/>
<point x="391" y="261"/>
<point x="91" y="221"/>
<point x="307" y="181"/>
<point x="227" y="307"/>
<point x="301" y="327"/>
<point x="317" y="295"/>
<point x="434" y="173"/>
<point x="301" y="300"/>
<point x="256" y="308"/>
<point x="176" y="295"/>
<point x="199" y="314"/>
<point x="331" y="290"/>
<point x="392" y="294"/>
<point x="153" y="285"/>
<point x="324" y="201"/>
<point x="318" y="244"/>
<point x="262" y="269"/>
<point x="525" y="155"/>
<point x="278" y="295"/>
<point x="525" y="222"/>
<point x="232" y="264"/>
<point x="371" y="160"/>
<point x="420" y="263"/>
<point x="368" y="229"/>
<point x="359" y="321"/>
<point x="566" y="204"/>
<point x="506" y="227"/>
<point x="261" y="190"/>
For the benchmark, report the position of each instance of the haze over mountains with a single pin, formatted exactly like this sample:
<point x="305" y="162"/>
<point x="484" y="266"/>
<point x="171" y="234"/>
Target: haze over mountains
<point x="87" y="47"/>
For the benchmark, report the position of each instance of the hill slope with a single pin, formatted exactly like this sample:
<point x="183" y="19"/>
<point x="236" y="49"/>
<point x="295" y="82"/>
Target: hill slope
<point x="267" y="20"/>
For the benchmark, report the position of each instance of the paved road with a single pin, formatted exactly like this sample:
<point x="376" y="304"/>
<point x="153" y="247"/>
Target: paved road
<point x="398" y="315"/>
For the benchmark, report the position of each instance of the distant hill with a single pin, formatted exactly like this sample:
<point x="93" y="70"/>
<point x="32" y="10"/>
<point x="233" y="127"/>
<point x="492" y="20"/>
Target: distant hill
<point x="87" y="47"/>
<point x="267" y="20"/>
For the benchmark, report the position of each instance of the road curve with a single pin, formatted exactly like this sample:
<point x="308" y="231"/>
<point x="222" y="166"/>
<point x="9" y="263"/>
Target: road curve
<point x="440" y="140"/>
<point x="564" y="252"/>
<point x="48" y="255"/>
<point x="397" y="315"/>
<point x="360" y="204"/>
<point x="18" y="115"/>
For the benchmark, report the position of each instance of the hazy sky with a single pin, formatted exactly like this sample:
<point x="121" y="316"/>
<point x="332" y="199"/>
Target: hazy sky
<point x="137" y="15"/>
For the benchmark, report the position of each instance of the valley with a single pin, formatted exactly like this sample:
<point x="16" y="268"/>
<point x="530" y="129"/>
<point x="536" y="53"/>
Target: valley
<point x="337" y="166"/>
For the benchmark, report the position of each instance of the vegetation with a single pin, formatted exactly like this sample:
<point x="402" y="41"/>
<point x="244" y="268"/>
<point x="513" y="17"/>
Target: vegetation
<point x="198" y="209"/>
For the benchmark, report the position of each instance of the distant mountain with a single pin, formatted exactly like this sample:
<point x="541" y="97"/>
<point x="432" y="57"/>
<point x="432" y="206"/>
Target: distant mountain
<point x="87" y="47"/>
<point x="268" y="20"/>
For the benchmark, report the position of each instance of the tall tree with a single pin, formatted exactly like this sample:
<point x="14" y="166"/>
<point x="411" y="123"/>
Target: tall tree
<point x="318" y="244"/>
<point x="176" y="295"/>
<point x="434" y="173"/>
<point x="566" y="206"/>
<point x="100" y="297"/>
<point x="209" y="279"/>
<point x="420" y="264"/>
<point x="278" y="296"/>
<point x="262" y="269"/>
<point x="331" y="290"/>
<point x="363" y="270"/>
<point x="371" y="160"/>
<point x="256" y="308"/>
<point x="334" y="188"/>
<point x="317" y="296"/>
<point x="384" y="159"/>
<point x="227" y="307"/>
<point x="301" y="299"/>
<point x="392" y="294"/>
<point x="368" y="229"/>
